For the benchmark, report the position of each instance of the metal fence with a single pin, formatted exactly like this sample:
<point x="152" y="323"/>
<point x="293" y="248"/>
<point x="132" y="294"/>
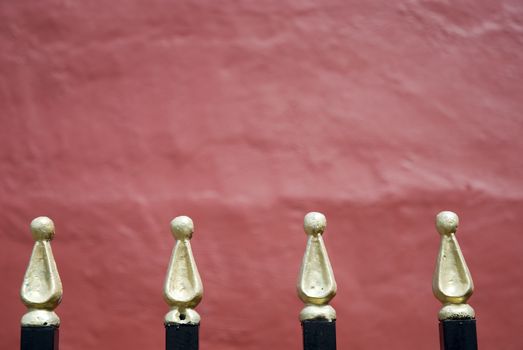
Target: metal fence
<point x="452" y="284"/>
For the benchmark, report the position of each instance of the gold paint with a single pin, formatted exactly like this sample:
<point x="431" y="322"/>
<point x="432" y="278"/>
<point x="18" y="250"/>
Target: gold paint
<point x="316" y="285"/>
<point x="41" y="290"/>
<point x="452" y="283"/>
<point x="183" y="288"/>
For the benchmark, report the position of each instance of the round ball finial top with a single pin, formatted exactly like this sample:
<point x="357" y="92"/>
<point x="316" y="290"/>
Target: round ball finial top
<point x="182" y="227"/>
<point x="42" y="228"/>
<point x="447" y="222"/>
<point x="314" y="223"/>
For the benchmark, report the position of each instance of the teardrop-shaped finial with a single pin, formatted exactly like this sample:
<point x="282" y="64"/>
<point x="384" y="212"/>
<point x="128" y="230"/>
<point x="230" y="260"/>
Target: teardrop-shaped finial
<point x="183" y="288"/>
<point x="41" y="290"/>
<point x="452" y="283"/>
<point x="316" y="284"/>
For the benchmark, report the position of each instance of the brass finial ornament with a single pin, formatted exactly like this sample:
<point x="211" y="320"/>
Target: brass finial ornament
<point x="183" y="288"/>
<point x="452" y="283"/>
<point x="41" y="290"/>
<point x="316" y="285"/>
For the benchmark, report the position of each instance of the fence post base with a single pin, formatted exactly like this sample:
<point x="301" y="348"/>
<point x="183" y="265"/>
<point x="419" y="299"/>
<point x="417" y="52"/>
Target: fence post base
<point x="39" y="338"/>
<point x="181" y="336"/>
<point x="458" y="335"/>
<point x="319" y="334"/>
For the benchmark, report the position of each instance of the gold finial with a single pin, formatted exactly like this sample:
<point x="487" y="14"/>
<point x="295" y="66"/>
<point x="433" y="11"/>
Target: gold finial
<point x="41" y="289"/>
<point x="183" y="287"/>
<point x="316" y="284"/>
<point x="452" y="283"/>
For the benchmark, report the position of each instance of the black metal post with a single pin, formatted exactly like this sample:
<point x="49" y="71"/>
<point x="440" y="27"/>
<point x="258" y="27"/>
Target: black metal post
<point x="181" y="336"/>
<point x="458" y="335"/>
<point x="319" y="334"/>
<point x="39" y="338"/>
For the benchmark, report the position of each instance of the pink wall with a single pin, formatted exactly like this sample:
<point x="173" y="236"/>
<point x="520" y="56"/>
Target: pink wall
<point x="117" y="116"/>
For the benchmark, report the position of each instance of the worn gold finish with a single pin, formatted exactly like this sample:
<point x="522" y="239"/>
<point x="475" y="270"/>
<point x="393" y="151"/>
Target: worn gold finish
<point x="183" y="288"/>
<point x="316" y="284"/>
<point x="452" y="283"/>
<point x="41" y="290"/>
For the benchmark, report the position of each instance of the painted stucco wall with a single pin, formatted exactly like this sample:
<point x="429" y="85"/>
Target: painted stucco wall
<point x="117" y="116"/>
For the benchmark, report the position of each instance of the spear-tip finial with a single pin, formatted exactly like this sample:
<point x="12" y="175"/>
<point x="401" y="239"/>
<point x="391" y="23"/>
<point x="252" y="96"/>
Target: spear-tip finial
<point x="41" y="290"/>
<point x="183" y="288"/>
<point x="316" y="284"/>
<point x="452" y="283"/>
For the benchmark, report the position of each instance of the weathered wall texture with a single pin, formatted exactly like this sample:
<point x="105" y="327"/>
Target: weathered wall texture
<point x="117" y="116"/>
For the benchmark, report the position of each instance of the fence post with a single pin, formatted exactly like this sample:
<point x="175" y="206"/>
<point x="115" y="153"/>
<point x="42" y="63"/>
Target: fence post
<point x="452" y="285"/>
<point x="41" y="291"/>
<point x="183" y="290"/>
<point x="316" y="287"/>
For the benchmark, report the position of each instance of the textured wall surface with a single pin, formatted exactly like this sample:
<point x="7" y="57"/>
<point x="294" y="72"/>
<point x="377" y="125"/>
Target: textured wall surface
<point x="117" y="116"/>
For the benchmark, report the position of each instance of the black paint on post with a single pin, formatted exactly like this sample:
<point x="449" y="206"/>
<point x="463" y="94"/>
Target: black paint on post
<point x="181" y="336"/>
<point x="39" y="338"/>
<point x="458" y="335"/>
<point x="319" y="334"/>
